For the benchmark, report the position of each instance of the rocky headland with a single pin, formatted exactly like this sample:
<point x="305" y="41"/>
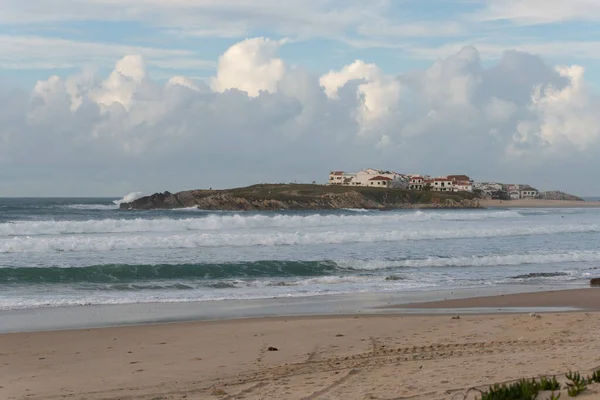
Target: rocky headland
<point x="269" y="197"/>
<point x="558" y="195"/>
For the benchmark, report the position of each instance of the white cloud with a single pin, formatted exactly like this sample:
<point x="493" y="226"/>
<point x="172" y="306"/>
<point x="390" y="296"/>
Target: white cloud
<point x="250" y="66"/>
<point x="556" y="48"/>
<point x="35" y="52"/>
<point x="540" y="11"/>
<point x="378" y="94"/>
<point x="122" y="83"/>
<point x="183" y="81"/>
<point x="335" y="80"/>
<point x="566" y="116"/>
<point x="411" y="29"/>
<point x="510" y="121"/>
<point x="302" y="18"/>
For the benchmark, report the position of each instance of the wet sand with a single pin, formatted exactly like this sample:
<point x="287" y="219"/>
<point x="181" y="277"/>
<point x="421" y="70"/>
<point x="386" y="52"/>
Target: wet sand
<point x="582" y="299"/>
<point x="380" y="357"/>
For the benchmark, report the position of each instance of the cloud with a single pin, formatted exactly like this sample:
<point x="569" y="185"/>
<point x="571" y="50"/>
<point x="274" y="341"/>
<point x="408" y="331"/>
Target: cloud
<point x="250" y="66"/>
<point x="377" y="94"/>
<point x="313" y="18"/>
<point x="587" y="50"/>
<point x="36" y="52"/>
<point x="263" y="120"/>
<point x="540" y="11"/>
<point x="563" y="117"/>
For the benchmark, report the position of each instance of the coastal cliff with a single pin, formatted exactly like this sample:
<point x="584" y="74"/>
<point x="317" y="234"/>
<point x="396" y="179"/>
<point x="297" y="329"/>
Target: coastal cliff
<point x="303" y="197"/>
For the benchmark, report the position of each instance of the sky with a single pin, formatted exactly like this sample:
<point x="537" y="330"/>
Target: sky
<point x="108" y="97"/>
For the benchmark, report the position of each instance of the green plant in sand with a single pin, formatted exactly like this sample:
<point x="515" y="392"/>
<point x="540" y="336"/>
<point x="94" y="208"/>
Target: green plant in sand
<point x="576" y="385"/>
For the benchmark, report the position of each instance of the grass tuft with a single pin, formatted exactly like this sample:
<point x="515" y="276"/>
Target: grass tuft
<point x="525" y="389"/>
<point x="576" y="385"/>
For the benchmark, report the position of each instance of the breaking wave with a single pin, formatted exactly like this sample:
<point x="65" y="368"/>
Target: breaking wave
<point x="92" y="206"/>
<point x="124" y="273"/>
<point x="328" y="269"/>
<point x="129" y="198"/>
<point x="25" y="244"/>
<point x="235" y="221"/>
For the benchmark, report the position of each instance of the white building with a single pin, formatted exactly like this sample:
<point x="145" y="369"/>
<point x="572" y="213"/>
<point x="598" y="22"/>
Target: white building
<point x="527" y="192"/>
<point x="463" y="186"/>
<point x="488" y="188"/>
<point x="442" y="184"/>
<point x="369" y="178"/>
<point x="461" y="183"/>
<point x="514" y="192"/>
<point x="416" y="182"/>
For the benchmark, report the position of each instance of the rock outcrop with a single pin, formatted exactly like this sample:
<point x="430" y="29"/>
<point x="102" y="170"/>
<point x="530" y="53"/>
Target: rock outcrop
<point x="557" y="195"/>
<point x="302" y="197"/>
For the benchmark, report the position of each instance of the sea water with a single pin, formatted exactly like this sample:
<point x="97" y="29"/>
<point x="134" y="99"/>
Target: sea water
<point x="67" y="252"/>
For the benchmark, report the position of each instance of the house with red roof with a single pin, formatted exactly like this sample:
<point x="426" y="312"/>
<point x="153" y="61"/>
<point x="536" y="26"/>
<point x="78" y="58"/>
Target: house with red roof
<point x="370" y="178"/>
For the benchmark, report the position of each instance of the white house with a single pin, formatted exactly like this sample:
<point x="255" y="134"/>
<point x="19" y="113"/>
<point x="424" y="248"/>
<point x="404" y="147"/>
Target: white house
<point x="369" y="177"/>
<point x="335" y="177"/>
<point x="380" y="181"/>
<point x="527" y="192"/>
<point x="442" y="184"/>
<point x="416" y="182"/>
<point x="461" y="183"/>
<point x="463" y="186"/>
<point x="488" y="188"/>
<point x="514" y="193"/>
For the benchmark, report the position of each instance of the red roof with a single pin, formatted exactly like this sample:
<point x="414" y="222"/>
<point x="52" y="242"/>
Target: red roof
<point x="338" y="172"/>
<point x="381" y="178"/>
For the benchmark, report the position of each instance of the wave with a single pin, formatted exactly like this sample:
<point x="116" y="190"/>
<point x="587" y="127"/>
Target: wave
<point x="127" y="273"/>
<point x="92" y="206"/>
<point x="503" y="260"/>
<point x="223" y="222"/>
<point x="129" y="198"/>
<point x="36" y="244"/>
<point x="123" y="273"/>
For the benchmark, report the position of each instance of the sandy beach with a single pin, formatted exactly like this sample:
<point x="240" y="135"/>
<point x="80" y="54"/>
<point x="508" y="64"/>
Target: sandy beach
<point x="322" y="357"/>
<point x="539" y="203"/>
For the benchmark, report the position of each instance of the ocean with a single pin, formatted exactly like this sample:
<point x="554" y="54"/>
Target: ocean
<point x="68" y="252"/>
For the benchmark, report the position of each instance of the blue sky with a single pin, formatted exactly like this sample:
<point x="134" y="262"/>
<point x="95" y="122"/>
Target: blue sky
<point x="40" y="38"/>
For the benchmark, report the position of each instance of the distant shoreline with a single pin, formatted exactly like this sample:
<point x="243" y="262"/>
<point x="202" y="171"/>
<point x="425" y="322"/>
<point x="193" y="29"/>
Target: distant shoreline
<point x="538" y="203"/>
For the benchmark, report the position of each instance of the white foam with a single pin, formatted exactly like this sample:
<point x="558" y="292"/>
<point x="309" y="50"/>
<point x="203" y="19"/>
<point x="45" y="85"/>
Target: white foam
<point x="129" y="198"/>
<point x="250" y="290"/>
<point x="25" y="244"/>
<point x="476" y="261"/>
<point x="238" y="221"/>
<point x="93" y="206"/>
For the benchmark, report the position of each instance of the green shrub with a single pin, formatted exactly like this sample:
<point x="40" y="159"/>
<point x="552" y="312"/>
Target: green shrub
<point x="522" y="390"/>
<point x="595" y="377"/>
<point x="576" y="385"/>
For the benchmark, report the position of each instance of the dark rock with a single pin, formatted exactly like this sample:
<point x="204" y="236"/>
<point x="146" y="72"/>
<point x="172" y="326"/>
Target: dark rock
<point x="272" y="349"/>
<point x="595" y="282"/>
<point x="300" y="197"/>
<point x="394" y="278"/>
<point x="558" y="195"/>
<point x="539" y="275"/>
